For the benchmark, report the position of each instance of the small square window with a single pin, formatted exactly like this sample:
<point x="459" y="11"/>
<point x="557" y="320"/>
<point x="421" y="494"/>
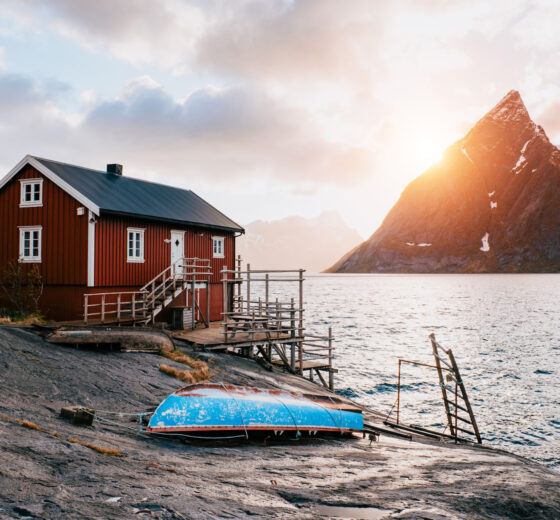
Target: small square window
<point x="31" y="193"/>
<point x="135" y="245"/>
<point x="30" y="244"/>
<point x="218" y="247"/>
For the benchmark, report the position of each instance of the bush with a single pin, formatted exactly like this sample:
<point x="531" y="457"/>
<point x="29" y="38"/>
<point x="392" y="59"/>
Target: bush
<point x="23" y="288"/>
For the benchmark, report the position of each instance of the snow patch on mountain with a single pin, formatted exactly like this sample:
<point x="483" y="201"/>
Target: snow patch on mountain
<point x="464" y="150"/>
<point x="493" y="204"/>
<point x="519" y="165"/>
<point x="491" y="193"/>
<point x="485" y="243"/>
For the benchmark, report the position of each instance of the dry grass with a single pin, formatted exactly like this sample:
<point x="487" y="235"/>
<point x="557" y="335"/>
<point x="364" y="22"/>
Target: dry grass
<point x="30" y="425"/>
<point x="200" y="370"/>
<point x="28" y="320"/>
<point x="187" y="376"/>
<point x="112" y="452"/>
<point x="24" y="422"/>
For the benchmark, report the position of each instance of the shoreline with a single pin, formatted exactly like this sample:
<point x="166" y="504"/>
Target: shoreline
<point x="46" y="476"/>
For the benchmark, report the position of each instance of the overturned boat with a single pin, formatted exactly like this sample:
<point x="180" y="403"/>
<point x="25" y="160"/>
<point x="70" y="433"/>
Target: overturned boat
<point x="218" y="408"/>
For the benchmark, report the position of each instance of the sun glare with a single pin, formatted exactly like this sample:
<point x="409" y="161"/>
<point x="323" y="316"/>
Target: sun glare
<point x="428" y="151"/>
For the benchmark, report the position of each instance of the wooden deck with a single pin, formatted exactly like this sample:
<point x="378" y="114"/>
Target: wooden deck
<point x="308" y="364"/>
<point x="213" y="337"/>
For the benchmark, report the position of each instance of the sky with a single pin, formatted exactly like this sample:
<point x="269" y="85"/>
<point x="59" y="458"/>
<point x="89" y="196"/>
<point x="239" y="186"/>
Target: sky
<point x="269" y="108"/>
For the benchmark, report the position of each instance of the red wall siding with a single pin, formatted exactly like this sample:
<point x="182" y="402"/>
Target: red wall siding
<point x="64" y="235"/>
<point x="112" y="269"/>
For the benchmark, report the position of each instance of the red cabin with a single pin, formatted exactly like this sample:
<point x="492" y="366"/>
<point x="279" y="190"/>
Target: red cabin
<point x="93" y="233"/>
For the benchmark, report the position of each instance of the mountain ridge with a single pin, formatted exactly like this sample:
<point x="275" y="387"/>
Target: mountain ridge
<point x="492" y="204"/>
<point x="295" y="242"/>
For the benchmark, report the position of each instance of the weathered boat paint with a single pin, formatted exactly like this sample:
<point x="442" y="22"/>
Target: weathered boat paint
<point x="215" y="407"/>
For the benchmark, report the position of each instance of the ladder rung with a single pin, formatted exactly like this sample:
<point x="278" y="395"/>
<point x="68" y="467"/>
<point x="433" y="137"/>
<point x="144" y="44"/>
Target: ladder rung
<point x="470" y="432"/>
<point x="468" y="421"/>
<point x="457" y="405"/>
<point x="443" y="361"/>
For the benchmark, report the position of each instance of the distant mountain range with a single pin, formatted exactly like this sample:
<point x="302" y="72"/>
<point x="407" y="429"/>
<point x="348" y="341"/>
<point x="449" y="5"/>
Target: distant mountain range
<point x="492" y="204"/>
<point x="297" y="242"/>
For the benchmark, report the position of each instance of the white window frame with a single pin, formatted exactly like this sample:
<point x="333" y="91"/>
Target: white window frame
<point x="30" y="259"/>
<point x="135" y="259"/>
<point x="30" y="203"/>
<point x="218" y="252"/>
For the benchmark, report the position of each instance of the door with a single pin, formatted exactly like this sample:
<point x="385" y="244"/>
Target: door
<point x="177" y="252"/>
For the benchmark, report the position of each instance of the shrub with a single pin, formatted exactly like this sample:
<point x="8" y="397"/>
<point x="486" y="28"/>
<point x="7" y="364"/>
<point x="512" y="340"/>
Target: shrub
<point x="23" y="288"/>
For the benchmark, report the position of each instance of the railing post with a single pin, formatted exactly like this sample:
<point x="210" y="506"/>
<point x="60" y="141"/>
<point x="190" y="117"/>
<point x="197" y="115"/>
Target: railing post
<point x="237" y="287"/>
<point x="133" y="303"/>
<point x="102" y="308"/>
<point x="331" y="375"/>
<point x="399" y="392"/>
<point x="118" y="307"/>
<point x="193" y="297"/>
<point x="292" y="335"/>
<point x="86" y="307"/>
<point x="224" y="302"/>
<point x="248" y="288"/>
<point x="144" y="304"/>
<point x="266" y="276"/>
<point x="301" y="302"/>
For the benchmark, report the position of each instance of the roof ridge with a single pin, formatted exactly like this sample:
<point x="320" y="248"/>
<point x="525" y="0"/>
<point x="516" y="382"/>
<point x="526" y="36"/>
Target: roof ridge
<point x="103" y="172"/>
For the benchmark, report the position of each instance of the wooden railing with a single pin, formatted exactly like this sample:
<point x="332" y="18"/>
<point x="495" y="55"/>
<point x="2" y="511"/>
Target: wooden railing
<point x="273" y="327"/>
<point x="144" y="304"/>
<point x="115" y="306"/>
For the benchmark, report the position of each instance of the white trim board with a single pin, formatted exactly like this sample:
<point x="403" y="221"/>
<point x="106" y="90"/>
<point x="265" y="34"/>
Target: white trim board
<point x="63" y="185"/>
<point x="91" y="250"/>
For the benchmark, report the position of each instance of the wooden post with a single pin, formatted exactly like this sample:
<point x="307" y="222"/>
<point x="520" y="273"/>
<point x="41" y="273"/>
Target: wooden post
<point x="224" y="302"/>
<point x="86" y="307"/>
<point x="331" y="374"/>
<point x="292" y="335"/>
<point x="399" y="392"/>
<point x="118" y="308"/>
<point x="266" y="276"/>
<point x="193" y="296"/>
<point x="207" y="301"/>
<point x="301" y="302"/>
<point x="248" y="288"/>
<point x="237" y="290"/>
<point x="102" y="308"/>
<point x="133" y="303"/>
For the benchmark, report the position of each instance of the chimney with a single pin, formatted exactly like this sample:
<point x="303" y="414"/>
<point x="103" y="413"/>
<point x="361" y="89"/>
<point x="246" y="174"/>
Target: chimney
<point x="115" y="169"/>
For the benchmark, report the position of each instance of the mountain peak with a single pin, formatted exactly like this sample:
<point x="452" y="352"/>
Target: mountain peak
<point x="509" y="108"/>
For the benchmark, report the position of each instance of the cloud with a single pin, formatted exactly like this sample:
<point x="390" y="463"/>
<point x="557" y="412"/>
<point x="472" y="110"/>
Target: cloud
<point x="232" y="134"/>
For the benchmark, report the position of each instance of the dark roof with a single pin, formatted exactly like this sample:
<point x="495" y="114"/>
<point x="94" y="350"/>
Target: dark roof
<point x="121" y="195"/>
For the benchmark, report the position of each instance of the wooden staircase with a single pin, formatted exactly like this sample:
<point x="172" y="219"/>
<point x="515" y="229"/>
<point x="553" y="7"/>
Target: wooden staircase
<point x="142" y="306"/>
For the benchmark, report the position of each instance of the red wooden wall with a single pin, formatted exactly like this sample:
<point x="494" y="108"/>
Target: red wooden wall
<point x="112" y="269"/>
<point x="64" y="235"/>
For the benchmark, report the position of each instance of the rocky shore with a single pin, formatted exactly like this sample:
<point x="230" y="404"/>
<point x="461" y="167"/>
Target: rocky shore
<point x="49" y="472"/>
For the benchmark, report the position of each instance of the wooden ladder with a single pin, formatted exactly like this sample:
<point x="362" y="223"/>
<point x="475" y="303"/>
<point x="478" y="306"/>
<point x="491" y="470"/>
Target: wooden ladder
<point x="445" y="362"/>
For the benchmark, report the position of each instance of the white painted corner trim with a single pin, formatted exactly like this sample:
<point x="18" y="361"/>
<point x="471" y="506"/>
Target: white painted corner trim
<point x="29" y="159"/>
<point x="91" y="249"/>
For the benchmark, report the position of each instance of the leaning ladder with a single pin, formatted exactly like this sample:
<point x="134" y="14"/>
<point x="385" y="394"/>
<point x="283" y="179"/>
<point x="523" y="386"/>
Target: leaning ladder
<point x="457" y="391"/>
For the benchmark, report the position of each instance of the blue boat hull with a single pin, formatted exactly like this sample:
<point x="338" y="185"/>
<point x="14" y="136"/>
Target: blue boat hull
<point x="213" y="407"/>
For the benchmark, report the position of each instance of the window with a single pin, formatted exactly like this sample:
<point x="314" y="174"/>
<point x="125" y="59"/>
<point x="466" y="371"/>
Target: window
<point x="135" y="245"/>
<point x="30" y="244"/>
<point x="31" y="193"/>
<point x="218" y="247"/>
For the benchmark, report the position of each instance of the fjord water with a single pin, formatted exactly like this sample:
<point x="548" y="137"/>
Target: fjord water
<point x="504" y="331"/>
